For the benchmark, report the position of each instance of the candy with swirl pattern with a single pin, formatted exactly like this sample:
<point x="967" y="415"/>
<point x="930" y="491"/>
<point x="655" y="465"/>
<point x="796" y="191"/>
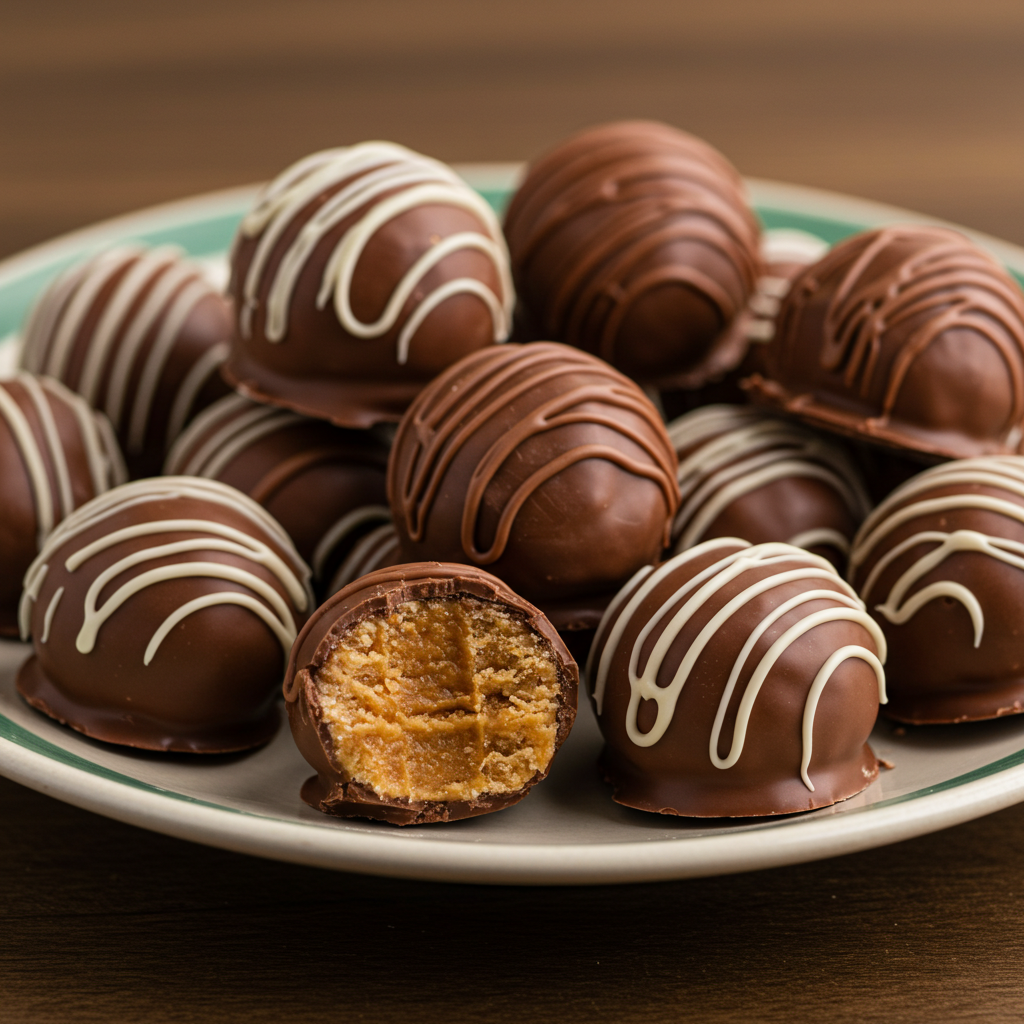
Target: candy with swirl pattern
<point x="737" y="680"/>
<point x="911" y="337"/>
<point x="161" y="615"/>
<point x="540" y="463"/>
<point x="940" y="563"/>
<point x="360" y="273"/>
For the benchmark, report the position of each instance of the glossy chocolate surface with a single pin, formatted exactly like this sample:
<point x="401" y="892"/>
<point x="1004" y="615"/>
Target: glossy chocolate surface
<point x="55" y="455"/>
<point x="323" y="484"/>
<point x="541" y="464"/>
<point x="634" y="241"/>
<point x="910" y="337"/>
<point x="359" y="275"/>
<point x="746" y="473"/>
<point x="940" y="564"/>
<point x="140" y="334"/>
<point x="737" y="681"/>
<point x="161" y="616"/>
<point x="377" y="594"/>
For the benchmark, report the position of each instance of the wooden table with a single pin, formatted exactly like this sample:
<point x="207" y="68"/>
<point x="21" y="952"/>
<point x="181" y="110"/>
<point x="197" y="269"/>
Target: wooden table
<point x="114" y="104"/>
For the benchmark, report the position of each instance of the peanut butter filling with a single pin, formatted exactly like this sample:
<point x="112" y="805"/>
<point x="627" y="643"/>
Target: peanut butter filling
<point x="444" y="699"/>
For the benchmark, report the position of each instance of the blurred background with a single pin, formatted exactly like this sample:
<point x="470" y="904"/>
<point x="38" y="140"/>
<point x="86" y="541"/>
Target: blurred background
<point x="109" y="105"/>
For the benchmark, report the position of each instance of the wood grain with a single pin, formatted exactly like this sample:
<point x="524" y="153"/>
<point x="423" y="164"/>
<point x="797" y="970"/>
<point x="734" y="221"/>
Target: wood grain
<point x="110" y="105"/>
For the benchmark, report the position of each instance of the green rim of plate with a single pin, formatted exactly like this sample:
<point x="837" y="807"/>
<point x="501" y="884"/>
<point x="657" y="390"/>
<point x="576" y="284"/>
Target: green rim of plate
<point x="208" y="232"/>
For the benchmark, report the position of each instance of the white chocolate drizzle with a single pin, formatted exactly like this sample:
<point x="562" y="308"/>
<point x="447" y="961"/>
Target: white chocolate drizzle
<point x="149" y="291"/>
<point x="201" y="535"/>
<point x="735" y="450"/>
<point x="383" y="180"/>
<point x="911" y="502"/>
<point x="42" y="451"/>
<point x="374" y="550"/>
<point x="669" y="620"/>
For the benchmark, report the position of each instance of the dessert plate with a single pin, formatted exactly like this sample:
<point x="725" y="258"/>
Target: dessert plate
<point x="568" y="831"/>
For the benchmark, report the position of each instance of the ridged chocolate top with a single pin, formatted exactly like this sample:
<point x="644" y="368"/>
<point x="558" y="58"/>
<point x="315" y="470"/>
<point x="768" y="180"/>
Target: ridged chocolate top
<point x="540" y="462"/>
<point x="634" y="241"/>
<point x="909" y="336"/>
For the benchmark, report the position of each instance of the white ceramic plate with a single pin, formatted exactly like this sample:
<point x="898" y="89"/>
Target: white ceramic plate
<point x="568" y="831"/>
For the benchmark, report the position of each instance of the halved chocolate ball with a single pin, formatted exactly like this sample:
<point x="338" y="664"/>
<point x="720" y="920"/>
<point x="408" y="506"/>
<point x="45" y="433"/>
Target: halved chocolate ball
<point x="427" y="692"/>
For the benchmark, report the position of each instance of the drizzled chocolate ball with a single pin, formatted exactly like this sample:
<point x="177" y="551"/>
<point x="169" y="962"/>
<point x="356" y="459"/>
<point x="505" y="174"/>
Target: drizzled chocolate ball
<point x="940" y="564"/>
<point x="55" y="454"/>
<point x="910" y="337"/>
<point x="634" y="241"/>
<point x="746" y="473"/>
<point x="161" y="615"/>
<point x="425" y="693"/>
<point x="140" y="334"/>
<point x="737" y="680"/>
<point x="323" y="484"/>
<point x="359" y="274"/>
<point x="542" y="464"/>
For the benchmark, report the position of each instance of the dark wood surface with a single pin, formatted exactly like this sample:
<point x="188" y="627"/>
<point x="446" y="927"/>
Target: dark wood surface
<point x="109" y="105"/>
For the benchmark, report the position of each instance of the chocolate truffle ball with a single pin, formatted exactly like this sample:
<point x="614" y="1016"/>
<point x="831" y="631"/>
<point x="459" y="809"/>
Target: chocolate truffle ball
<point x="360" y="274"/>
<point x="541" y="463"/>
<point x="940" y="564"/>
<point x="161" y="615"/>
<point x="323" y="484"/>
<point x="55" y="454"/>
<point x="427" y="692"/>
<point x="635" y="241"/>
<point x="911" y="337"/>
<point x="737" y="680"/>
<point x="140" y="334"/>
<point x="746" y="473"/>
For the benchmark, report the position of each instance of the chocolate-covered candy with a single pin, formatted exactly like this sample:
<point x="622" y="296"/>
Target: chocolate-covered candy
<point x="359" y="275"/>
<point x="542" y="464"/>
<point x="323" y="484"/>
<point x="55" y="454"/>
<point x="376" y="549"/>
<point x="140" y="334"/>
<point x="161" y="615"/>
<point x="635" y="242"/>
<point x="737" y="680"/>
<point x="427" y="692"/>
<point x="746" y="473"/>
<point x="911" y="337"/>
<point x="940" y="564"/>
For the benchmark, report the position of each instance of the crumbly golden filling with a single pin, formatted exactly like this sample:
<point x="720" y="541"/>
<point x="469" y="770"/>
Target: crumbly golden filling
<point x="444" y="699"/>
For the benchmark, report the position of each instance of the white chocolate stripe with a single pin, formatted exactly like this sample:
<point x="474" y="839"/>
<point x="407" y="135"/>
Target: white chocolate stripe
<point x="823" y="536"/>
<point x="34" y="466"/>
<point x="235" y="418"/>
<point x="222" y="409"/>
<point x="238" y="440"/>
<point x="186" y="300"/>
<point x="367" y="554"/>
<point x="51" y="608"/>
<point x="44" y="316"/>
<point x="57" y="457"/>
<point x="195" y="380"/>
<point x="113" y="320"/>
<point x="100" y="271"/>
<point x="173" y="278"/>
<point x="349" y="522"/>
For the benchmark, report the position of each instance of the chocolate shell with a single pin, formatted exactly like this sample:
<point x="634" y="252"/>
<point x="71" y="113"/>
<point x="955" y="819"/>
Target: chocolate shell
<point x="910" y="337"/>
<point x="634" y="241"/>
<point x="744" y="472"/>
<point x="542" y="464"/>
<point x="55" y="455"/>
<point x="140" y="334"/>
<point x="359" y="275"/>
<point x="323" y="484"/>
<point x="940" y="565"/>
<point x="161" y="615"/>
<point x="736" y="681"/>
<point x="464" y="724"/>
